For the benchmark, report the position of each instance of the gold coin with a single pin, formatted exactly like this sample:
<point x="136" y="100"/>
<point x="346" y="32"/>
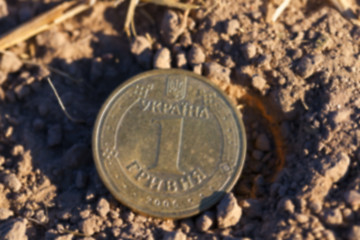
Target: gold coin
<point x="169" y="143"/>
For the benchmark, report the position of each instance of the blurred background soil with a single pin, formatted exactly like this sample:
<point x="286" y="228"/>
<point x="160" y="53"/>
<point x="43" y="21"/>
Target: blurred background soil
<point x="296" y="83"/>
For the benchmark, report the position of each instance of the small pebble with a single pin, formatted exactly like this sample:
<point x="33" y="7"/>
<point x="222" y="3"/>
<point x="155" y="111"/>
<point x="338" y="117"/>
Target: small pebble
<point x="205" y="221"/>
<point x="85" y="213"/>
<point x="162" y="59"/>
<point x="342" y="115"/>
<point x="5" y="213"/>
<point x="286" y="205"/>
<point x="170" y="27"/>
<point x="12" y="182"/>
<point x="196" y="55"/>
<point x="181" y="61"/>
<point x="352" y="198"/>
<point x="4" y="12"/>
<point x="41" y="216"/>
<point x="333" y="216"/>
<point x="316" y="206"/>
<point x="103" y="207"/>
<point x="17" y="150"/>
<point x="10" y="63"/>
<point x="114" y="214"/>
<point x="301" y="218"/>
<point x="13" y="230"/>
<point x="217" y="72"/>
<point x="89" y="226"/>
<point x="305" y="67"/>
<point x="175" y="235"/>
<point x="249" y="51"/>
<point x="198" y="69"/>
<point x="256" y="15"/>
<point x="258" y="83"/>
<point x="116" y="231"/>
<point x="232" y="27"/>
<point x="118" y="222"/>
<point x="228" y="211"/>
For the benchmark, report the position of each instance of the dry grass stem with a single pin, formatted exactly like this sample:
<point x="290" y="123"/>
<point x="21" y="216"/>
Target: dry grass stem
<point x="344" y="7"/>
<point x="280" y="10"/>
<point x="43" y="22"/>
<point x="63" y="108"/>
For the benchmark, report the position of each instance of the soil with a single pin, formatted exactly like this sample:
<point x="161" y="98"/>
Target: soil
<point x="296" y="83"/>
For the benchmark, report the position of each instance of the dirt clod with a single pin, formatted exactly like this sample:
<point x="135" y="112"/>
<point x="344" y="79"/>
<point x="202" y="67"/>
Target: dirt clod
<point x="3" y="9"/>
<point x="286" y="205"/>
<point x="12" y="182"/>
<point x="170" y="27"/>
<point x="89" y="226"/>
<point x="305" y="67"/>
<point x="5" y="213"/>
<point x="259" y="83"/>
<point x="249" y="51"/>
<point x="10" y="63"/>
<point x="162" y="59"/>
<point x="333" y="216"/>
<point x="232" y="27"/>
<point x="175" y="235"/>
<point x="13" y="230"/>
<point x="352" y="198"/>
<point x="228" y="211"/>
<point x="205" y="221"/>
<point x="217" y="72"/>
<point x="196" y="55"/>
<point x="103" y="207"/>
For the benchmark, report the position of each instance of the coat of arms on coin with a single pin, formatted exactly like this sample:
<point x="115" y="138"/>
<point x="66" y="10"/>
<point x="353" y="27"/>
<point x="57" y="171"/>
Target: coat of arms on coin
<point x="168" y="143"/>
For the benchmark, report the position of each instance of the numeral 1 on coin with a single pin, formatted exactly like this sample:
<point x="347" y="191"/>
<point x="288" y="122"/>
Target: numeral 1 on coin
<point x="168" y="153"/>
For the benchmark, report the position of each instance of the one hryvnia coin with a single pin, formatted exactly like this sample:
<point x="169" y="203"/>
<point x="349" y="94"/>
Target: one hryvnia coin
<point x="169" y="143"/>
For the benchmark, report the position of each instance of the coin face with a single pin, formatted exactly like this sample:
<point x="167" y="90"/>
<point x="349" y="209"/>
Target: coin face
<point x="168" y="143"/>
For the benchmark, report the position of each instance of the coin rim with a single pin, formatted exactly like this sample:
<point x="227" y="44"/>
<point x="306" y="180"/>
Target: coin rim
<point x="106" y="180"/>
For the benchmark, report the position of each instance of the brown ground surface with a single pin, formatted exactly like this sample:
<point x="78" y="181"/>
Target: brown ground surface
<point x="296" y="83"/>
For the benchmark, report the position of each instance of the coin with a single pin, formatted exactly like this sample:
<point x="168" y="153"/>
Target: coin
<point x="169" y="143"/>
